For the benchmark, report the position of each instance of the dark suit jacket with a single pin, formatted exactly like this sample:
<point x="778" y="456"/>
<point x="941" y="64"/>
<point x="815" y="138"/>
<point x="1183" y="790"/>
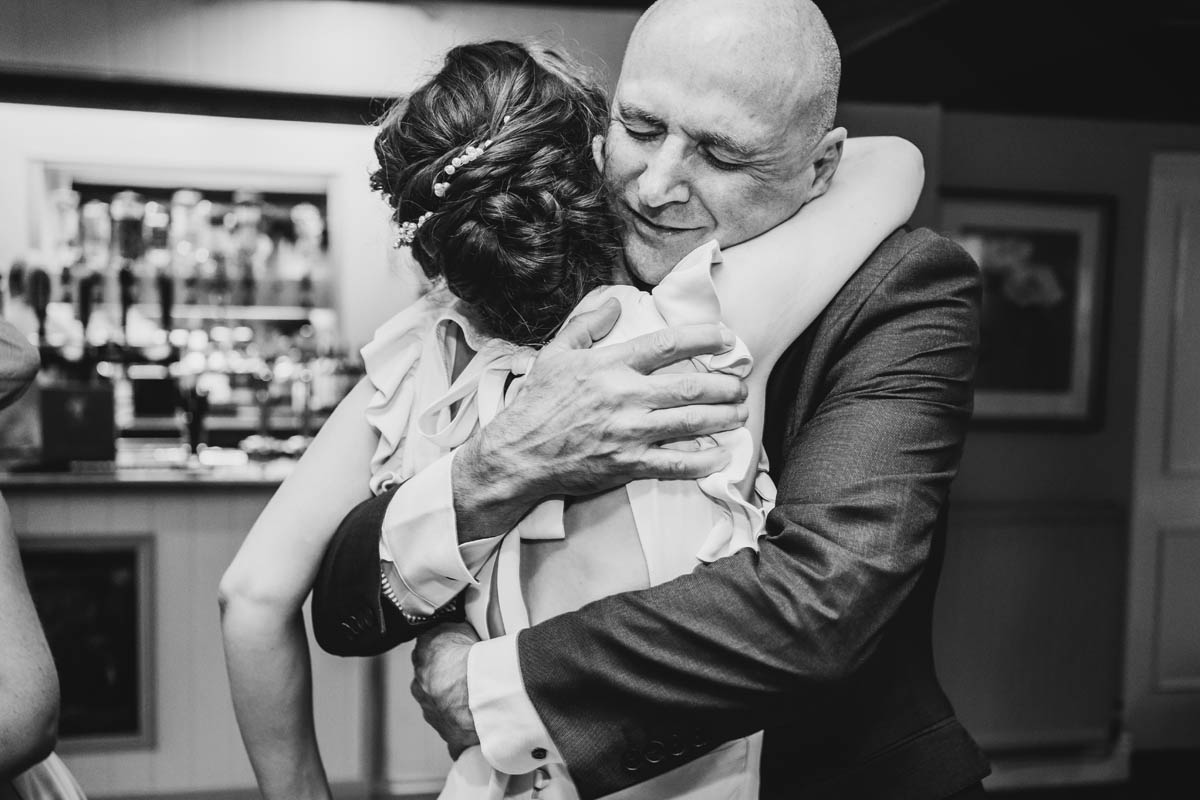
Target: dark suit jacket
<point x="823" y="637"/>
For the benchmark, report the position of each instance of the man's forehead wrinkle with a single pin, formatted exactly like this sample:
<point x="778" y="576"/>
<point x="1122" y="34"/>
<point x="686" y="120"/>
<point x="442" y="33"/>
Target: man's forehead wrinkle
<point x="742" y="134"/>
<point x="634" y="112"/>
<point x="724" y="141"/>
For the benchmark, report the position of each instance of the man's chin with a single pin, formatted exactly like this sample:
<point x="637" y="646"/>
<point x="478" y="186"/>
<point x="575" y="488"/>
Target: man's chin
<point x="649" y="263"/>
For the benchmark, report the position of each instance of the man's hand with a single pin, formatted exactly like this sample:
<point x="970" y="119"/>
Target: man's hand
<point x="587" y="420"/>
<point x="440" y="683"/>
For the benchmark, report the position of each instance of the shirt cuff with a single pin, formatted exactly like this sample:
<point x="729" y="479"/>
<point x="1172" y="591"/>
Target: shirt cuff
<point x="419" y="538"/>
<point x="511" y="734"/>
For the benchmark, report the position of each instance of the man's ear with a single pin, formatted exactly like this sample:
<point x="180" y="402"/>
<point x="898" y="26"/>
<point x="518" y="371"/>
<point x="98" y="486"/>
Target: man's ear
<point x="598" y="152"/>
<point x="827" y="156"/>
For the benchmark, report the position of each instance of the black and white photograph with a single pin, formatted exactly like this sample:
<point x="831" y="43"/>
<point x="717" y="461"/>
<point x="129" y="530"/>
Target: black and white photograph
<point x="599" y="400"/>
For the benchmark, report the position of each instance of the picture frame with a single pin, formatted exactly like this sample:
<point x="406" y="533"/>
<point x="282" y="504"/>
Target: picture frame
<point x="1045" y="261"/>
<point x="94" y="598"/>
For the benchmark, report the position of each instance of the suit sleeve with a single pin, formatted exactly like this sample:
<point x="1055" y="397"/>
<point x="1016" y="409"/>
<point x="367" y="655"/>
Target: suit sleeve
<point x="351" y="615"/>
<point x="754" y="639"/>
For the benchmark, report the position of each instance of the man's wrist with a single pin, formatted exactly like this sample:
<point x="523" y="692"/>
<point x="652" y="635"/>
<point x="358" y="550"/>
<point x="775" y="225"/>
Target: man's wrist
<point x="490" y="497"/>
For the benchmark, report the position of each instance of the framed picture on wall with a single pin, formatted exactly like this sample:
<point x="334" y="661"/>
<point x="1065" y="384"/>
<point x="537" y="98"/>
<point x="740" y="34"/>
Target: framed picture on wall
<point x="1045" y="262"/>
<point x="93" y="597"/>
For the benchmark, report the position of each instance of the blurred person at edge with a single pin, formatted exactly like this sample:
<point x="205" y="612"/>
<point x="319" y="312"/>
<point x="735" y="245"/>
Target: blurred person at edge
<point x="29" y="769"/>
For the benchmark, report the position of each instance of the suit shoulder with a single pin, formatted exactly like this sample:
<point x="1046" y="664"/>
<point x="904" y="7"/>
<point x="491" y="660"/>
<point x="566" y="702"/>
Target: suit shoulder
<point x="908" y="255"/>
<point x="922" y="245"/>
<point x="923" y="256"/>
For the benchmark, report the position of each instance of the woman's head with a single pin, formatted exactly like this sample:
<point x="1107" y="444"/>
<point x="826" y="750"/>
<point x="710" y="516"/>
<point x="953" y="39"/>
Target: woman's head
<point x="521" y="232"/>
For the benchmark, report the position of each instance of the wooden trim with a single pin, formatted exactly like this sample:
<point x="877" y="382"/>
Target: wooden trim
<point x="86" y="91"/>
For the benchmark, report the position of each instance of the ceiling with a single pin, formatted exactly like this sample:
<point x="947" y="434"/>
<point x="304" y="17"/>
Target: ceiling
<point x="1040" y="57"/>
<point x="1077" y="58"/>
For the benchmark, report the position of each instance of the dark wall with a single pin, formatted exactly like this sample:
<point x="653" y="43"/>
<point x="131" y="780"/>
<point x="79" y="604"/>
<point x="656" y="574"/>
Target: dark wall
<point x="1077" y="157"/>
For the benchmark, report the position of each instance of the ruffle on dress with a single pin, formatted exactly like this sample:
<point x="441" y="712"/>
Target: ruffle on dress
<point x="687" y="296"/>
<point x="409" y="362"/>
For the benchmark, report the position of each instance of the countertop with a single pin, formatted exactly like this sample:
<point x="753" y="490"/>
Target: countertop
<point x="148" y="463"/>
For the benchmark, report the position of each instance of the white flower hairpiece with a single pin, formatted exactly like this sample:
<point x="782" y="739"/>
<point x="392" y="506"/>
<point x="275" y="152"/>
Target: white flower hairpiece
<point x="469" y="154"/>
<point x="408" y="230"/>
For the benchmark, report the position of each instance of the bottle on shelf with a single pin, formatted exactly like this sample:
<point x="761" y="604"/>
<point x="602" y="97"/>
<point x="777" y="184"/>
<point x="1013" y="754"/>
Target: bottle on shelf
<point x="159" y="282"/>
<point x="188" y="239"/>
<point x="65" y="246"/>
<point x="225" y="297"/>
<point x="128" y="210"/>
<point x="247" y="219"/>
<point x="96" y="246"/>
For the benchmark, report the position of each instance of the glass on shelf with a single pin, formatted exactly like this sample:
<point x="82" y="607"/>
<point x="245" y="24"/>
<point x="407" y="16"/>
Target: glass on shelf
<point x="156" y="232"/>
<point x="96" y="234"/>
<point x="128" y="209"/>
<point x="252" y="333"/>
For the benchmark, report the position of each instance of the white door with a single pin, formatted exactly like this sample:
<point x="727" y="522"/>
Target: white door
<point x="1162" y="664"/>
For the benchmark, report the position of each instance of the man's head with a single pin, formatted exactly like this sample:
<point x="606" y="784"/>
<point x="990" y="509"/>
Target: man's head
<point x="721" y="124"/>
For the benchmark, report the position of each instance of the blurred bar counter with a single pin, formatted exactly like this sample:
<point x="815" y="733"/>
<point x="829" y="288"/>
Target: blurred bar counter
<point x="265" y="474"/>
<point x="183" y="522"/>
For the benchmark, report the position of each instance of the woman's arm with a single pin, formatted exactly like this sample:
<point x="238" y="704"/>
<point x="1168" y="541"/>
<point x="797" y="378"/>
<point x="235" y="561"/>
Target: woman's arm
<point x="263" y="591"/>
<point x="773" y="286"/>
<point x="28" y="680"/>
<point x="19" y="363"/>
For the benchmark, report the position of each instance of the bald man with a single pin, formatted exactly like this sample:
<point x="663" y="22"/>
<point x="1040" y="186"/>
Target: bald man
<point x="721" y="128"/>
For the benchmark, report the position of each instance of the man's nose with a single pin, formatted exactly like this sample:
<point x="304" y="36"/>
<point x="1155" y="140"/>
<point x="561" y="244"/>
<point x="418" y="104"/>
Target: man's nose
<point x="664" y="179"/>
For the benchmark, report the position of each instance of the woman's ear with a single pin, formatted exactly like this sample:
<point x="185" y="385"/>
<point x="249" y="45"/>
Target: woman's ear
<point x="598" y="152"/>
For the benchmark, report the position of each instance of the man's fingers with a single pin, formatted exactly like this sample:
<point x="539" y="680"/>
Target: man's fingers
<point x="584" y="330"/>
<point x="668" y="464"/>
<point x="673" y="389"/>
<point x="686" y="422"/>
<point x="657" y="349"/>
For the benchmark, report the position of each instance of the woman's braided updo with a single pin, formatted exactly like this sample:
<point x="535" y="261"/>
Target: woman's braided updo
<point x="522" y="232"/>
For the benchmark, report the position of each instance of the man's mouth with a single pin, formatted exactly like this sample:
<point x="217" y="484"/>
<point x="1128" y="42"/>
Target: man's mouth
<point x="656" y="228"/>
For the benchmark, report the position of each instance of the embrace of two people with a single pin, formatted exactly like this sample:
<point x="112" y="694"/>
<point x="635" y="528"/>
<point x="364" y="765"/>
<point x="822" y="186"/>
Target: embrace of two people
<point x="657" y="470"/>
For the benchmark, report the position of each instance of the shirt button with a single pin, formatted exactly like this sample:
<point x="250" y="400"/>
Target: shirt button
<point x="655" y="752"/>
<point x="676" y="745"/>
<point x="538" y="752"/>
<point x="631" y="761"/>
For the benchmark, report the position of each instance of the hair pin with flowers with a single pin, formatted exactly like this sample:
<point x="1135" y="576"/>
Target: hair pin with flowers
<point x="408" y="230"/>
<point x="469" y="154"/>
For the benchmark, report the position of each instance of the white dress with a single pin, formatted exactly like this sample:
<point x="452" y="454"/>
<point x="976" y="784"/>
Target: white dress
<point x="420" y="415"/>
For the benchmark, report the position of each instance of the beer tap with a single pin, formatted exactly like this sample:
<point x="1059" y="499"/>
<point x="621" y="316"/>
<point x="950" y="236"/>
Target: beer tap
<point x="16" y="282"/>
<point x="127" y="284"/>
<point x="88" y="286"/>
<point x="128" y="210"/>
<point x="96" y="244"/>
<point x="39" y="299"/>
<point x="166" y="299"/>
<point x="157" y="232"/>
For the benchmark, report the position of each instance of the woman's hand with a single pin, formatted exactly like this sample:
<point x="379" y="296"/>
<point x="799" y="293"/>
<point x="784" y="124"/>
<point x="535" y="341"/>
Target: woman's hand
<point x="440" y="683"/>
